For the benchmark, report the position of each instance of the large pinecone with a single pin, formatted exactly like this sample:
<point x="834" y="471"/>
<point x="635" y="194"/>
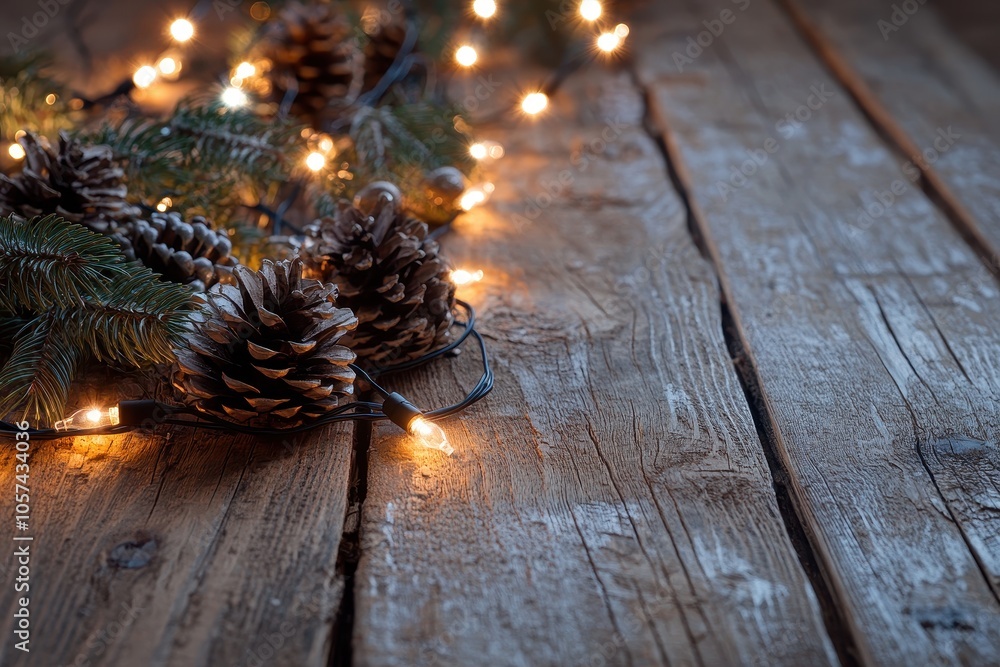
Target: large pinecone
<point x="390" y="275"/>
<point x="189" y="253"/>
<point x="316" y="58"/>
<point x="267" y="353"/>
<point x="80" y="183"/>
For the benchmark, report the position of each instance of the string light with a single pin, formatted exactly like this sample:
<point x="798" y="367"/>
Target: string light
<point x="534" y="103"/>
<point x="325" y="143"/>
<point x="182" y="30"/>
<point x="484" y="9"/>
<point x="462" y="277"/>
<point x="478" y="151"/>
<point x="315" y="161"/>
<point x="621" y="30"/>
<point x="164" y="204"/>
<point x="409" y="417"/>
<point x="590" y="10"/>
<point x="244" y="70"/>
<point x="608" y="42"/>
<point x="466" y="56"/>
<point x="234" y="98"/>
<point x="471" y="199"/>
<point x="50" y="99"/>
<point x="16" y="151"/>
<point x="168" y="66"/>
<point x="90" y="418"/>
<point x="144" y="76"/>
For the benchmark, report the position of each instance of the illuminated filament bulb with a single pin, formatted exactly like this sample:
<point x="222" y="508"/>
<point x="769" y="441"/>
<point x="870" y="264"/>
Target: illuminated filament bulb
<point x="462" y="277"/>
<point x="408" y="417"/>
<point x="16" y="151"/>
<point x="144" y="76"/>
<point x="315" y="161"/>
<point x="484" y="9"/>
<point x="466" y="56"/>
<point x="244" y="70"/>
<point x="234" y="98"/>
<point x="534" y="103"/>
<point x="608" y="42"/>
<point x="479" y="151"/>
<point x="89" y="418"/>
<point x="429" y="435"/>
<point x="590" y="10"/>
<point x="182" y="30"/>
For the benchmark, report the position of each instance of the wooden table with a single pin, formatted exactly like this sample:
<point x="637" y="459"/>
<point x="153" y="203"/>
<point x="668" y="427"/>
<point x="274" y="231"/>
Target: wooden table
<point x="746" y="408"/>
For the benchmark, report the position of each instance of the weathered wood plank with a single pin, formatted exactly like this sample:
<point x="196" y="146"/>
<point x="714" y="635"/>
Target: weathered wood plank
<point x="914" y="77"/>
<point x="191" y="549"/>
<point x="610" y="503"/>
<point x="866" y="342"/>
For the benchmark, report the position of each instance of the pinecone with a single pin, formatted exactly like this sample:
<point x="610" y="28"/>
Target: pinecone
<point x="81" y="183"/>
<point x="188" y="253"/>
<point x="390" y="275"/>
<point x="385" y="41"/>
<point x="315" y="57"/>
<point x="267" y="352"/>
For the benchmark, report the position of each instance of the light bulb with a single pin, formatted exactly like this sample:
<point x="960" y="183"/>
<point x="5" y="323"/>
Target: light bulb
<point x="534" y="103"/>
<point x="462" y="277"/>
<point x="478" y="151"/>
<point x="471" y="199"/>
<point x="234" y="98"/>
<point x="16" y="151"/>
<point x="466" y="56"/>
<point x="429" y="435"/>
<point x="315" y="161"/>
<point x="244" y="70"/>
<point x="484" y="8"/>
<point x="590" y="10"/>
<point x="182" y="30"/>
<point x="164" y="204"/>
<point x="608" y="42"/>
<point x="89" y="418"/>
<point x="167" y="65"/>
<point x="144" y="76"/>
<point x="621" y="30"/>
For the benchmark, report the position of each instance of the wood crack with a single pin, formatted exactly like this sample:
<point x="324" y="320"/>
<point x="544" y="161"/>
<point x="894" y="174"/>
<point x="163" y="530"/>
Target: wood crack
<point x="833" y="608"/>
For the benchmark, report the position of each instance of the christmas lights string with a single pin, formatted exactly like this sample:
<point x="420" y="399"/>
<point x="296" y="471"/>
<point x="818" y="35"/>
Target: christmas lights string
<point x="134" y="415"/>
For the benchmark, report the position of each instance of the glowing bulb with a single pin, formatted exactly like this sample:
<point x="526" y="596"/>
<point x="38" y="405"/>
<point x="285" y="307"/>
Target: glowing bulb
<point x="144" y="76"/>
<point x="182" y="30"/>
<point x="471" y="199"/>
<point x="461" y="277"/>
<point x="608" y="42"/>
<point x="164" y="204"/>
<point x="234" y="98"/>
<point x="466" y="56"/>
<point x="478" y="151"/>
<point x="168" y="66"/>
<point x="428" y="434"/>
<point x="484" y="9"/>
<point x="535" y="103"/>
<point x="89" y="418"/>
<point x="16" y="151"/>
<point x="325" y="144"/>
<point x="621" y="30"/>
<point x="315" y="161"/>
<point x="244" y="70"/>
<point x="50" y="99"/>
<point x="590" y="10"/>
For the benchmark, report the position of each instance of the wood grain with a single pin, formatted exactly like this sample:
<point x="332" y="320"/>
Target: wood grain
<point x="914" y="77"/>
<point x="868" y="341"/>
<point x="187" y="549"/>
<point x="610" y="503"/>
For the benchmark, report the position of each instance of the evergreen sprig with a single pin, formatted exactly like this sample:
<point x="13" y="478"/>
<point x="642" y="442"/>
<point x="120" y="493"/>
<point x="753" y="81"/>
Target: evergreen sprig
<point x="70" y="297"/>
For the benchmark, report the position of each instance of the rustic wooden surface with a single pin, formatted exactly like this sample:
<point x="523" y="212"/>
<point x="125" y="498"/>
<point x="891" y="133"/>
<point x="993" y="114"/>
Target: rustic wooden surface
<point x="754" y="425"/>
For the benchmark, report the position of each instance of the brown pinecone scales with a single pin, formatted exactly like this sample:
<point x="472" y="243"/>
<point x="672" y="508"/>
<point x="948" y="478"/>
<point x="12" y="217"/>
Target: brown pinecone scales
<point x="384" y="43"/>
<point x="268" y="352"/>
<point x="80" y="183"/>
<point x="390" y="275"/>
<point x="192" y="253"/>
<point x="315" y="57"/>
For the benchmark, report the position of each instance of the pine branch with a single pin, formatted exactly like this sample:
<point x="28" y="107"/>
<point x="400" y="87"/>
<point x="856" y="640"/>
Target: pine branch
<point x="39" y="372"/>
<point x="48" y="262"/>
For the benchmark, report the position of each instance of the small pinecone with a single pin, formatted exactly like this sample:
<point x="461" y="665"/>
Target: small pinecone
<point x="267" y="352"/>
<point x="314" y="56"/>
<point x="390" y="275"/>
<point x="80" y="183"/>
<point x="188" y="253"/>
<point x="384" y="43"/>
